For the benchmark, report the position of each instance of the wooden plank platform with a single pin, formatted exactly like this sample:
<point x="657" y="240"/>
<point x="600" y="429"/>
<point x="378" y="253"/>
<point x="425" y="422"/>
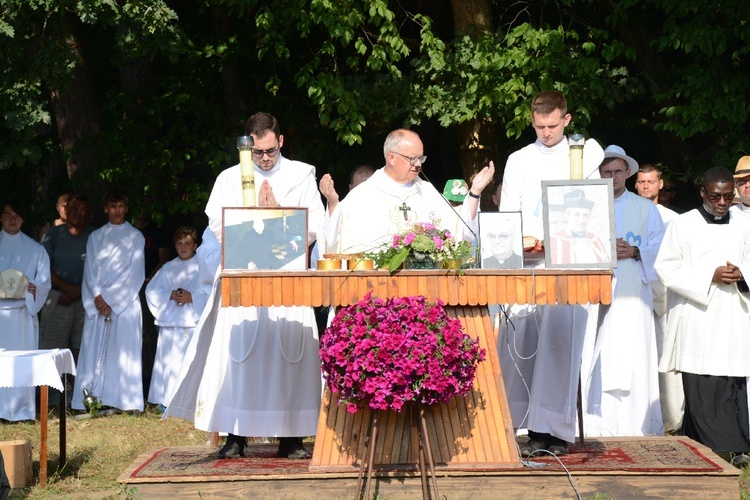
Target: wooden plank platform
<point x="518" y="482"/>
<point x="473" y="287"/>
<point x="470" y="432"/>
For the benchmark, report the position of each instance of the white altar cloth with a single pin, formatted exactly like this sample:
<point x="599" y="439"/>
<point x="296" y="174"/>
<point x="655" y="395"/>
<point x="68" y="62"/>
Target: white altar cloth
<point x="35" y="368"/>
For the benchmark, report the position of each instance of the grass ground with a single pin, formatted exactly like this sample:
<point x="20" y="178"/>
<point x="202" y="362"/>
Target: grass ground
<point x="100" y="449"/>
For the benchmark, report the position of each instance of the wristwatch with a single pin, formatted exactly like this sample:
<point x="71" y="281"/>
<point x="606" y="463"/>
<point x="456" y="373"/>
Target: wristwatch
<point x="637" y="254"/>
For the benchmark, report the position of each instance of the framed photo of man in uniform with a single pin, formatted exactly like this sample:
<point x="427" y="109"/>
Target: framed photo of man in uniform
<point x="579" y="224"/>
<point x="500" y="240"/>
<point x="260" y="238"/>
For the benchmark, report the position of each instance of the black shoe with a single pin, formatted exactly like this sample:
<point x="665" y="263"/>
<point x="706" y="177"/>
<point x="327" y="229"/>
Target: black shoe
<point x="234" y="447"/>
<point x="558" y="448"/>
<point x="292" y="448"/>
<point x="741" y="460"/>
<point x="532" y="446"/>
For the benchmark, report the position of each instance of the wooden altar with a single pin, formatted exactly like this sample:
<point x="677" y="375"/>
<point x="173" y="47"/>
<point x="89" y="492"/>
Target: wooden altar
<point x="474" y="432"/>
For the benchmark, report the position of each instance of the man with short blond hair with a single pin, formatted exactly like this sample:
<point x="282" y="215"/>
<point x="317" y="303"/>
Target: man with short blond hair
<point x="542" y="388"/>
<point x="649" y="181"/>
<point x="649" y="184"/>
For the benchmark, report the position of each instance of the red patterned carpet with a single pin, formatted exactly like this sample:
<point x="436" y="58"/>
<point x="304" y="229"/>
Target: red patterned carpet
<point x="635" y="455"/>
<point x="192" y="463"/>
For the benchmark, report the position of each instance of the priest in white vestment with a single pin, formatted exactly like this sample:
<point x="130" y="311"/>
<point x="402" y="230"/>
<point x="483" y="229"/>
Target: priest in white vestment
<point x="19" y="327"/>
<point x="176" y="297"/>
<point x="109" y="363"/>
<point x="540" y="347"/>
<point x="394" y="199"/>
<point x="705" y="259"/>
<point x="255" y="371"/>
<point x="619" y="368"/>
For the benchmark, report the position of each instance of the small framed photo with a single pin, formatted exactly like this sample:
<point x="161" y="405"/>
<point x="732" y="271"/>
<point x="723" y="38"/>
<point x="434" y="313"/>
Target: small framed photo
<point x="500" y="240"/>
<point x="264" y="238"/>
<point x="579" y="224"/>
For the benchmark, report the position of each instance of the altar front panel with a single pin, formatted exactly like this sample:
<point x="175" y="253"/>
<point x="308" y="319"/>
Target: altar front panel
<point x="472" y="287"/>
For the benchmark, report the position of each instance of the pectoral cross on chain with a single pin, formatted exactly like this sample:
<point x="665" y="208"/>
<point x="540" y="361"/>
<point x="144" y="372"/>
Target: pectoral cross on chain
<point x="404" y="208"/>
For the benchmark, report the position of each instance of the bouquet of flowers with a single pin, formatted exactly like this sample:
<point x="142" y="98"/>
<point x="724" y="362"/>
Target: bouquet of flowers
<point x="426" y="246"/>
<point x="387" y="353"/>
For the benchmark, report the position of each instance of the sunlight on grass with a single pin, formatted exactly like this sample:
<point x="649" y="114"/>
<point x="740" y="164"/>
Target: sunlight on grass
<point x="99" y="450"/>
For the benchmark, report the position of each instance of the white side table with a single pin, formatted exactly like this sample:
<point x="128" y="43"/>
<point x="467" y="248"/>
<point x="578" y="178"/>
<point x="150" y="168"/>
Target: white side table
<point x="43" y="368"/>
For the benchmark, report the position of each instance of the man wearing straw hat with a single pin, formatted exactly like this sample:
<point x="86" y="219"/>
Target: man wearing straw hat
<point x="742" y="185"/>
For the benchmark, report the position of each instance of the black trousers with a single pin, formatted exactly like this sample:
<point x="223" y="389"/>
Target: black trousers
<point x="716" y="412"/>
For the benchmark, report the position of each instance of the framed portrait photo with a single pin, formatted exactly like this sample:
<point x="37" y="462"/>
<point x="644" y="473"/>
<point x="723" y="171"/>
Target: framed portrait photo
<point x="264" y="238"/>
<point x="579" y="224"/>
<point x="500" y="240"/>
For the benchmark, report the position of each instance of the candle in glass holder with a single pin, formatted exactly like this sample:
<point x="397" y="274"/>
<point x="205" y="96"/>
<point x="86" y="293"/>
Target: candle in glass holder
<point x="575" y="143"/>
<point x="245" y="144"/>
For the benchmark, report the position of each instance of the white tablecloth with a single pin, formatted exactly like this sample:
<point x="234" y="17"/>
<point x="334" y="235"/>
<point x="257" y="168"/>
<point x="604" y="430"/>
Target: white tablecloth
<point x="33" y="368"/>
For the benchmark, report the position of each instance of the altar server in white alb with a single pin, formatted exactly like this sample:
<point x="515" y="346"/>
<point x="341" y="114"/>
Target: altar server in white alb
<point x="619" y="369"/>
<point x="705" y="260"/>
<point x="649" y="184"/>
<point x="255" y="371"/>
<point x="394" y="198"/>
<point x="540" y="348"/>
<point x="109" y="364"/>
<point x="176" y="298"/>
<point x="25" y="284"/>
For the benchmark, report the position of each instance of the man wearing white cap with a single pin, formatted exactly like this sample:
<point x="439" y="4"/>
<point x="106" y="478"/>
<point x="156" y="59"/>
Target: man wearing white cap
<point x="619" y="369"/>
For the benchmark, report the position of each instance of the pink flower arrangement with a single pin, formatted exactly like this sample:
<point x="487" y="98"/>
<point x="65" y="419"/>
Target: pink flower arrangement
<point x="387" y="353"/>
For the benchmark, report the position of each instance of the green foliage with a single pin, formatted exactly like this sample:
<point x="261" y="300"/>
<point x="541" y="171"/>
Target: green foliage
<point x="495" y="75"/>
<point x="342" y="73"/>
<point x="702" y="93"/>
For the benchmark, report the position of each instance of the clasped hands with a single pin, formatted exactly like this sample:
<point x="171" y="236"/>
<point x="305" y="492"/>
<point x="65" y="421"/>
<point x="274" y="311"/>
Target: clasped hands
<point x="624" y="249"/>
<point x="181" y="296"/>
<point x="727" y="274"/>
<point x="266" y="197"/>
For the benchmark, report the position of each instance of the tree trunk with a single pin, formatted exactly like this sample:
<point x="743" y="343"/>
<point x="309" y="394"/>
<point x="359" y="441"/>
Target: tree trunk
<point x="77" y="117"/>
<point x="649" y="62"/>
<point x="476" y="137"/>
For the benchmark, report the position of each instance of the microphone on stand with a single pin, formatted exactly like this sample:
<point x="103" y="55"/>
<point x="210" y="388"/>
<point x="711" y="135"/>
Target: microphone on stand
<point x="420" y="171"/>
